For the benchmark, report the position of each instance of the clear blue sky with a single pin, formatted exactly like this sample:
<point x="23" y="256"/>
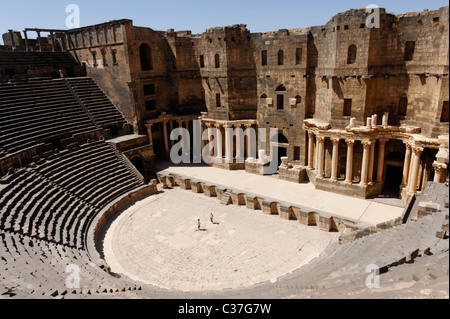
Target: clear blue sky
<point x="194" y="15"/>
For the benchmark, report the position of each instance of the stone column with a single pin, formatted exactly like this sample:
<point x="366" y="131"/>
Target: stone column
<point x="171" y="129"/>
<point x="209" y="129"/>
<point x="166" y="138"/>
<point x="311" y="151"/>
<point x="150" y="135"/>
<point x="183" y="138"/>
<point x="239" y="155"/>
<point x="439" y="172"/>
<point x="334" y="161"/>
<point x="417" y="153"/>
<point x="349" y="168"/>
<point x="406" y="165"/>
<point x="202" y="142"/>
<point x="53" y="41"/>
<point x="316" y="155"/>
<point x="180" y="125"/>
<point x="381" y="153"/>
<point x="250" y="143"/>
<point x="365" y="162"/>
<point x="371" y="163"/>
<point x="420" y="176"/>
<point x="228" y="142"/>
<point x="39" y="40"/>
<point x="26" y="41"/>
<point x="219" y="142"/>
<point x="320" y="157"/>
<point x="425" y="176"/>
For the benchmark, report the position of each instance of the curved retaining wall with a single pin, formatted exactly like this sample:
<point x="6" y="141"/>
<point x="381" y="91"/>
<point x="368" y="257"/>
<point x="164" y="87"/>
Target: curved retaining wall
<point x="303" y="215"/>
<point x="119" y="205"/>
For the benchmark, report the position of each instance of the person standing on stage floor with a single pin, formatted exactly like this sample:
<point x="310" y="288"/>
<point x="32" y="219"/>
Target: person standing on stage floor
<point x="199" y="224"/>
<point x="212" y="218"/>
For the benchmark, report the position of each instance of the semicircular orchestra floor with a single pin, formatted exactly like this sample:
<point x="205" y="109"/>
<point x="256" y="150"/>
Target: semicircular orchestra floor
<point x="156" y="241"/>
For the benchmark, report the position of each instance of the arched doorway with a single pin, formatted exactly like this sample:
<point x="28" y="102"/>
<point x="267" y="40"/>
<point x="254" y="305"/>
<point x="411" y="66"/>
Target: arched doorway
<point x="393" y="174"/>
<point x="281" y="142"/>
<point x="146" y="57"/>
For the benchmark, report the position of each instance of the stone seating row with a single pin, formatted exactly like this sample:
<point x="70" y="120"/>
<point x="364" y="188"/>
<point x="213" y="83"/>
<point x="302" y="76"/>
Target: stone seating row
<point x="90" y="174"/>
<point x="33" y="112"/>
<point x="345" y="265"/>
<point x="39" y="268"/>
<point x="42" y="209"/>
<point x="38" y="111"/>
<point x="38" y="202"/>
<point x="35" y="59"/>
<point x="92" y="97"/>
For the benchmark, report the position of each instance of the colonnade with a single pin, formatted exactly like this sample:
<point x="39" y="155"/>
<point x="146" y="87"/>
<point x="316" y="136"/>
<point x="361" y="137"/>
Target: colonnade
<point x="411" y="168"/>
<point x="229" y="130"/>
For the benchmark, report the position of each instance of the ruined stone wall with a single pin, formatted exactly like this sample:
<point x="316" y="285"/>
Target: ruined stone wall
<point x="186" y="75"/>
<point x="428" y="87"/>
<point x="228" y="73"/>
<point x="289" y="76"/>
<point x="162" y="62"/>
<point x="214" y="75"/>
<point x="339" y="77"/>
<point x="105" y="55"/>
<point x="241" y="73"/>
<point x="222" y="71"/>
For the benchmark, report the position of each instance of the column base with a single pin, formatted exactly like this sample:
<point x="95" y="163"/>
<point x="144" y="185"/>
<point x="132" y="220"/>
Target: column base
<point x="363" y="184"/>
<point x="333" y="179"/>
<point x="348" y="182"/>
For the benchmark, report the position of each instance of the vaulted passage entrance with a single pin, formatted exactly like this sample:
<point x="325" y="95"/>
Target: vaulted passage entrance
<point x="139" y="164"/>
<point x="394" y="173"/>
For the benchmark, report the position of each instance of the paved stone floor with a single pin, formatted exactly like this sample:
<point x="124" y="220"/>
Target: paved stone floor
<point x="156" y="241"/>
<point x="371" y="212"/>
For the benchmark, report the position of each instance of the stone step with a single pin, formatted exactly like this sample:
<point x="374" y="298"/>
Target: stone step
<point x="226" y="198"/>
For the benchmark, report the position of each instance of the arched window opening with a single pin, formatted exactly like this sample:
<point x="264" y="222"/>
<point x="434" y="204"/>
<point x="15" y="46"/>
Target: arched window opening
<point x="280" y="57"/>
<point x="280" y="91"/>
<point x="298" y="55"/>
<point x="264" y="58"/>
<point x="351" y="57"/>
<point x="146" y="57"/>
<point x="217" y="61"/>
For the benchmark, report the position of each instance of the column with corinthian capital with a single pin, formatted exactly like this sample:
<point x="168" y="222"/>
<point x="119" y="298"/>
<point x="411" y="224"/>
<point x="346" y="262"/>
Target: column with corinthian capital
<point x="415" y="162"/>
<point x="320" y="157"/>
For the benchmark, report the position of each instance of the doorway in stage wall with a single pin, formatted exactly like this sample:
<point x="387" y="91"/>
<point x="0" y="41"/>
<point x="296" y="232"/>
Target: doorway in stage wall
<point x="393" y="174"/>
<point x="282" y="144"/>
<point x="393" y="181"/>
<point x="282" y="152"/>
